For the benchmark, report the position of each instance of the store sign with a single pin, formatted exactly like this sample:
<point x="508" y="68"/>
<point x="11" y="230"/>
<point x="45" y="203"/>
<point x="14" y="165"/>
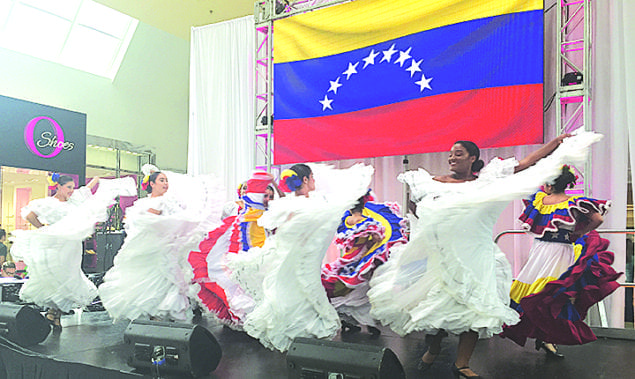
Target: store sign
<point x="41" y="137"/>
<point x="47" y="139"/>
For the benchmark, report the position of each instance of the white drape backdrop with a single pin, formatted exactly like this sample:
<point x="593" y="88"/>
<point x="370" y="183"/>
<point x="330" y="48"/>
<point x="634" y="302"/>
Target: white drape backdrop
<point x="221" y="131"/>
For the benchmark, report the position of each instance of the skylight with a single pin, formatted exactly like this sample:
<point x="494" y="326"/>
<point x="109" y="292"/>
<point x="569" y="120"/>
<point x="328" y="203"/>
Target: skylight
<point x="81" y="34"/>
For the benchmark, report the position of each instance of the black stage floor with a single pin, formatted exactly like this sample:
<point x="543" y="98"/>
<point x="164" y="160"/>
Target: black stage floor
<point x="91" y="338"/>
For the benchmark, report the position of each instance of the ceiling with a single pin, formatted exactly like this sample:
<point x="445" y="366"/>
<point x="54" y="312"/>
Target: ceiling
<point x="178" y="16"/>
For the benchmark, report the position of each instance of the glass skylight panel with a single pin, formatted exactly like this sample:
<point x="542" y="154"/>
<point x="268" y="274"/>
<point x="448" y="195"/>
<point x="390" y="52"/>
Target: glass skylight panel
<point x="104" y="19"/>
<point x="63" y="8"/>
<point x="23" y="32"/>
<point x="77" y="33"/>
<point x="89" y="49"/>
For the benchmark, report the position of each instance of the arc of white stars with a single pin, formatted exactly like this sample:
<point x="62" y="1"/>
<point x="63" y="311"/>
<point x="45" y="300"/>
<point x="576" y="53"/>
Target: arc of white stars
<point x="414" y="67"/>
<point x="326" y="103"/>
<point x="370" y="59"/>
<point x="352" y="69"/>
<point x="388" y="54"/>
<point x="334" y="85"/>
<point x="424" y="83"/>
<point x="403" y="57"/>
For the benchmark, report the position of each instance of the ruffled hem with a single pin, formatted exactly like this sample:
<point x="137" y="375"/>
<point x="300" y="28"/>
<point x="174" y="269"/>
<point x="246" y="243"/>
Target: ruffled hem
<point x="151" y="275"/>
<point x="220" y="294"/>
<point x="446" y="298"/>
<point x="355" y="267"/>
<point x="550" y="316"/>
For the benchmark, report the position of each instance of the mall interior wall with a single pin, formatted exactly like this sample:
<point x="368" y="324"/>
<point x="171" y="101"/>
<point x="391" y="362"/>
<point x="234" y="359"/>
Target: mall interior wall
<point x="146" y="103"/>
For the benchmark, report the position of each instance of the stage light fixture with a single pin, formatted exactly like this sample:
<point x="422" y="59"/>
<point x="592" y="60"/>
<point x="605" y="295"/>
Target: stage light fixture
<point x="313" y="358"/>
<point x="281" y="5"/>
<point x="571" y="78"/>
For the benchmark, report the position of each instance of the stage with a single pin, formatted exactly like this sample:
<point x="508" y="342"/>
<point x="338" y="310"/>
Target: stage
<point x="91" y="339"/>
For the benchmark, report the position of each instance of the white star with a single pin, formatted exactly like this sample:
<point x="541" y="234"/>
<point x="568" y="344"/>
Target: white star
<point x="424" y="83"/>
<point x="414" y="67"/>
<point x="388" y="54"/>
<point x="403" y="57"/>
<point x="326" y="103"/>
<point x="352" y="69"/>
<point x="370" y="59"/>
<point x="334" y="85"/>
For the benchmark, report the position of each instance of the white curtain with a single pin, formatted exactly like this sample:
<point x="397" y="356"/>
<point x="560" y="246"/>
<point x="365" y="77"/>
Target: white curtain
<point x="221" y="131"/>
<point x="613" y="106"/>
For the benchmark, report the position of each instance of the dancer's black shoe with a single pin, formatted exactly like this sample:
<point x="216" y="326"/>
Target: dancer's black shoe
<point x="459" y="372"/>
<point x="374" y="332"/>
<point x="423" y="366"/>
<point x="347" y="327"/>
<point x="550" y="353"/>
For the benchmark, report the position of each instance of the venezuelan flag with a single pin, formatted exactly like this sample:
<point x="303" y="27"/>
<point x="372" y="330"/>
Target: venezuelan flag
<point x="382" y="77"/>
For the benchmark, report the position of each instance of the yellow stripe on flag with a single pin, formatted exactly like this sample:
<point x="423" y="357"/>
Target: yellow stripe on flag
<point x="362" y="23"/>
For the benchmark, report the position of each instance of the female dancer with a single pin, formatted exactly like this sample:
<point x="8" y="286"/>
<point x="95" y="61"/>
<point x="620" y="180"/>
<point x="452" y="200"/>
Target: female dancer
<point x="53" y="252"/>
<point x="151" y="276"/>
<point x="366" y="234"/>
<point x="219" y="293"/>
<point x="556" y="220"/>
<point x="283" y="276"/>
<point x="451" y="276"/>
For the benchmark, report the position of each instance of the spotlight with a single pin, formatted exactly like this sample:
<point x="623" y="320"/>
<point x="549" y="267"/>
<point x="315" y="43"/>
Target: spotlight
<point x="281" y="5"/>
<point x="571" y="78"/>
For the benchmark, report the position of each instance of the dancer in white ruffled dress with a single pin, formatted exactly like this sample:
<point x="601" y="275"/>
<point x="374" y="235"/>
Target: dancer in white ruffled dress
<point x="283" y="276"/>
<point x="53" y="252"/>
<point x="151" y="276"/>
<point x="451" y="277"/>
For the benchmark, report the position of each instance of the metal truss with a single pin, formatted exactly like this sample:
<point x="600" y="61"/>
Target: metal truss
<point x="573" y="100"/>
<point x="265" y="12"/>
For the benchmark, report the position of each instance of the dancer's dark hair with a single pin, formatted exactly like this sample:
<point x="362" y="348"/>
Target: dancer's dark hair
<point x="473" y="151"/>
<point x="152" y="178"/>
<point x="566" y="179"/>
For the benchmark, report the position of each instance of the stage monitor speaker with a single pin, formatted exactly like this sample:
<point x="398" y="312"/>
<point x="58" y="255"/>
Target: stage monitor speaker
<point x="172" y="347"/>
<point x="22" y="324"/>
<point x="317" y="359"/>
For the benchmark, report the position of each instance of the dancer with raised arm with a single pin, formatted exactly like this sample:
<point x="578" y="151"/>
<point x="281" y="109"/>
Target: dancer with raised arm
<point x="451" y="277"/>
<point x="53" y="252"/>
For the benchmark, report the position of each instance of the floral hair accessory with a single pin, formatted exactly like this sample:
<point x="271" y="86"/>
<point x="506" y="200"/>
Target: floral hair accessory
<point x="290" y="181"/>
<point x="570" y="169"/>
<point x="239" y="190"/>
<point x="53" y="179"/>
<point x="145" y="182"/>
<point x="368" y="196"/>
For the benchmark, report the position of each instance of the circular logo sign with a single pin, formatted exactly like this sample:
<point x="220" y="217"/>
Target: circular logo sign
<point x="29" y="137"/>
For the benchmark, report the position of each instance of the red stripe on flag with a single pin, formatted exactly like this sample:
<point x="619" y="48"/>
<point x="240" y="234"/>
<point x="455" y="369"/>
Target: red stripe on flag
<point x="491" y="117"/>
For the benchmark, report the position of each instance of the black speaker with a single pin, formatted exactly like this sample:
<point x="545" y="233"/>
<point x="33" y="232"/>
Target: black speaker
<point x="172" y="347"/>
<point x="317" y="359"/>
<point x="22" y="324"/>
<point x="107" y="245"/>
